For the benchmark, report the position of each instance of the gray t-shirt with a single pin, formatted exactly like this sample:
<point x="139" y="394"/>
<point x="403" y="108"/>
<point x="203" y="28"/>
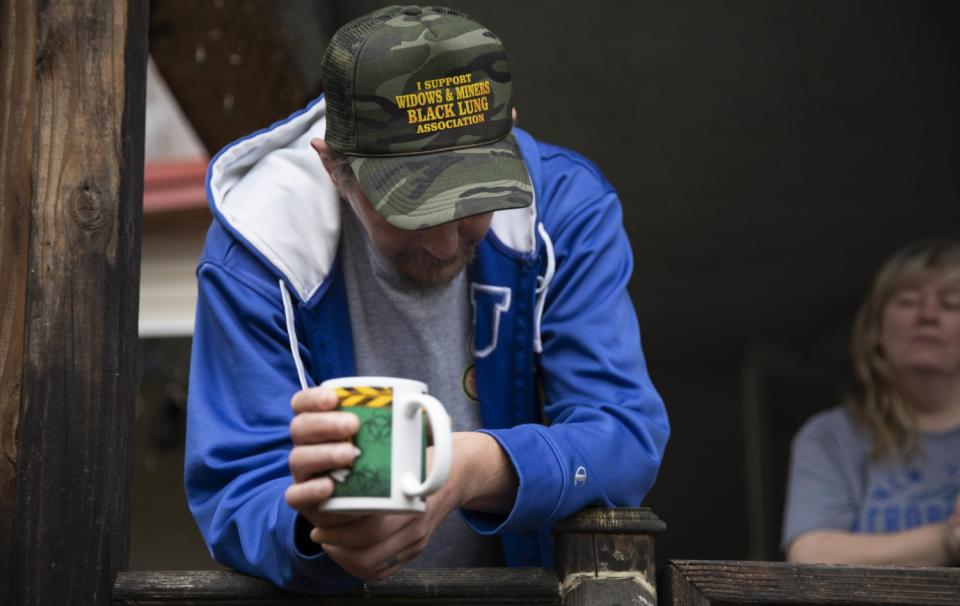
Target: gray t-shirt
<point x="399" y="331"/>
<point x="834" y="484"/>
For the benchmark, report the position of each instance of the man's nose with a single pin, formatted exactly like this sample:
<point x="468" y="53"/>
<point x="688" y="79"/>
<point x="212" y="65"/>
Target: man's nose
<point x="442" y="241"/>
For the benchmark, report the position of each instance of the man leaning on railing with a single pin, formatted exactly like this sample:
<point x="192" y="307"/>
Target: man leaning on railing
<point x="401" y="226"/>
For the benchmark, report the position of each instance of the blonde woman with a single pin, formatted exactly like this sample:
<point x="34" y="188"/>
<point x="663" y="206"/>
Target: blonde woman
<point x="876" y="481"/>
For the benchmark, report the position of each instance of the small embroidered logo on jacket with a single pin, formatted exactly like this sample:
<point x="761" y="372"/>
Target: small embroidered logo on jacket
<point x="371" y="397"/>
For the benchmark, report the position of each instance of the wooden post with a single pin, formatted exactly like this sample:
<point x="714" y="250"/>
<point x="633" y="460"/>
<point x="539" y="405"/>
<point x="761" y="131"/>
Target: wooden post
<point x="73" y="82"/>
<point x="606" y="556"/>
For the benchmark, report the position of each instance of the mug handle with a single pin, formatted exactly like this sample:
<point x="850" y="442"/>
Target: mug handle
<point x="442" y="446"/>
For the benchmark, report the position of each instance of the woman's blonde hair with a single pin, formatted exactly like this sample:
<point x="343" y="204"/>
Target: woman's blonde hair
<point x="874" y="399"/>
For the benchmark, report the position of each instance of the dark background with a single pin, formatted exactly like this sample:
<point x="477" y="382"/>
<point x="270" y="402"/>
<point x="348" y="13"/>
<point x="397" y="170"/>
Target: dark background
<point x="769" y="155"/>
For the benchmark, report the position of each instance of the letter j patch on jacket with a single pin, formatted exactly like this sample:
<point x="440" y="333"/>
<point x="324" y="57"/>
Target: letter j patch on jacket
<point x="489" y="303"/>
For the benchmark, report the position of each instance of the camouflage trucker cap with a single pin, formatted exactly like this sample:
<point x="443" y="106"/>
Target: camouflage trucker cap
<point x="419" y="101"/>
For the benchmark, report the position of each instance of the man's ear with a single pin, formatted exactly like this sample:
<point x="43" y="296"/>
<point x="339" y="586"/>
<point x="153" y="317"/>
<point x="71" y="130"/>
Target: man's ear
<point x="514" y="114"/>
<point x="320" y="146"/>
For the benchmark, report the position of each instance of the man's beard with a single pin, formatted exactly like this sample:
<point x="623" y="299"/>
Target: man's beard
<point x="422" y="271"/>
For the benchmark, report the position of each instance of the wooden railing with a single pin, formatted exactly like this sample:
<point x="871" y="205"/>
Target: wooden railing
<point x="437" y="586"/>
<point x="603" y="556"/>
<point x="705" y="583"/>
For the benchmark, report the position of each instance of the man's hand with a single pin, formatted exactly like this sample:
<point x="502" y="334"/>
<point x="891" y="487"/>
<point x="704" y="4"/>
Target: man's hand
<point x="321" y="444"/>
<point x="377" y="546"/>
<point x="371" y="546"/>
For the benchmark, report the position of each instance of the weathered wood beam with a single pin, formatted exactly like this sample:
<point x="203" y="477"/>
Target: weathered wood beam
<point x="501" y="586"/>
<point x="73" y="82"/>
<point x="687" y="582"/>
<point x="236" y="67"/>
<point x="16" y="144"/>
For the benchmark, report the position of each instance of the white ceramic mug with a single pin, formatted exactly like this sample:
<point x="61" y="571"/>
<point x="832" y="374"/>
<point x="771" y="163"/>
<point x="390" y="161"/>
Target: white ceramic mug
<point x="387" y="476"/>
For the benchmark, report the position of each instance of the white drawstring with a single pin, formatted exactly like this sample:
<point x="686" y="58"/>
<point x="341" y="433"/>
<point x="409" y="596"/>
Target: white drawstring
<point x="292" y="334"/>
<point x="543" y="283"/>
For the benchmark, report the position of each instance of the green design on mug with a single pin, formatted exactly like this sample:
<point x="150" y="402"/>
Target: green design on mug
<point x="371" y="474"/>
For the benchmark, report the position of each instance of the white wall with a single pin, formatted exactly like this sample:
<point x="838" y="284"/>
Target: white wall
<point x="168" y="286"/>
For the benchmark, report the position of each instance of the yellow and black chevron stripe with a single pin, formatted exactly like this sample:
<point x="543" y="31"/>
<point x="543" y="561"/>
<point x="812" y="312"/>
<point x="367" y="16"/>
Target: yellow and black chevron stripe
<point x="371" y="397"/>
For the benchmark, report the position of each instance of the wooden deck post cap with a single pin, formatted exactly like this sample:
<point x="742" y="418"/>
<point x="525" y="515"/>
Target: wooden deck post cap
<point x="612" y="520"/>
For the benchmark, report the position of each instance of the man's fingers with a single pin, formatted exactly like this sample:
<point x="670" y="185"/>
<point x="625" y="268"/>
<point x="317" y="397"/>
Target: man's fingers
<point x="381" y="560"/>
<point x="393" y="567"/>
<point x="323" y="520"/>
<point x="372" y="531"/>
<point x="312" y="459"/>
<point x="305" y="496"/>
<point x="314" y="399"/>
<point x="313" y="427"/>
<point x="393" y="563"/>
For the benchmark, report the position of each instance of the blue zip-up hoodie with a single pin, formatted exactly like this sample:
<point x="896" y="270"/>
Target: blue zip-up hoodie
<point x="562" y="381"/>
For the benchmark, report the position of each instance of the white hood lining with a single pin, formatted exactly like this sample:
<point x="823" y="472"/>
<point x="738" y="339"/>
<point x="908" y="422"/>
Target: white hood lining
<point x="272" y="189"/>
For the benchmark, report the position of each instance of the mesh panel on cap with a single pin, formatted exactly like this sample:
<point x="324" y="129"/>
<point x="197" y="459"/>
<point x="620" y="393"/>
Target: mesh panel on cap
<point x="336" y="73"/>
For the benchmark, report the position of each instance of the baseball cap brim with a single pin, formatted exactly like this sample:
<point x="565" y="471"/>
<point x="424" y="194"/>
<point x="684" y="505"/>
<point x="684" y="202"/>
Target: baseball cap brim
<point x="425" y="190"/>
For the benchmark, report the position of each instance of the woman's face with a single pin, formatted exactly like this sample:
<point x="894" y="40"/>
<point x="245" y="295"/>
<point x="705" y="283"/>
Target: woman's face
<point x="920" y="329"/>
